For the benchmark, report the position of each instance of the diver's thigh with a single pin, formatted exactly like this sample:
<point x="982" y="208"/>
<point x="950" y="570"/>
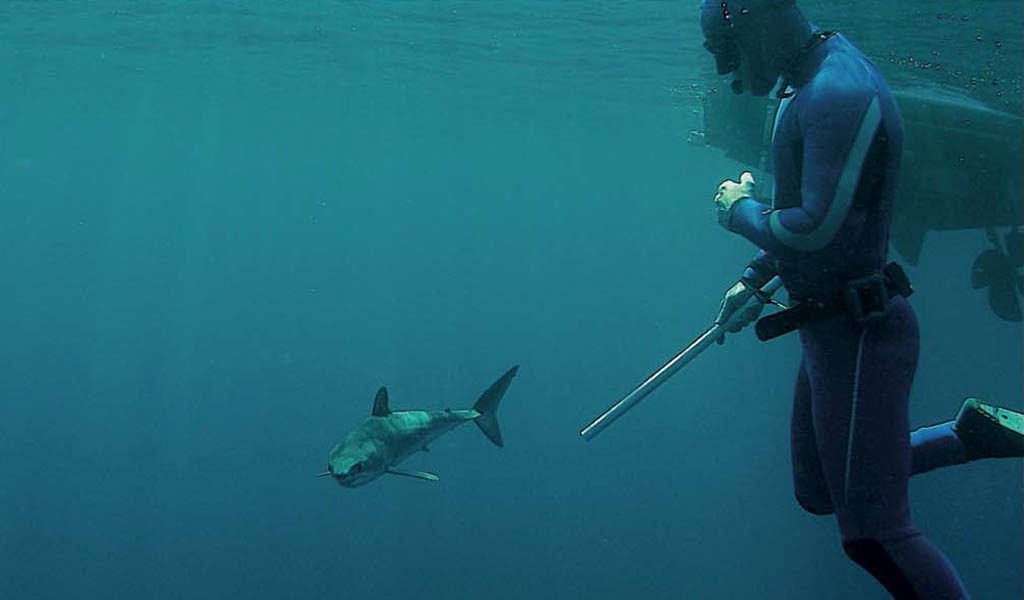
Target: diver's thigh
<point x="808" y="480"/>
<point x="879" y="464"/>
<point x="860" y="397"/>
<point x="831" y="356"/>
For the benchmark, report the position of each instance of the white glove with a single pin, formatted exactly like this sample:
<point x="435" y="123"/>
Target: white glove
<point x="733" y="300"/>
<point x="729" y="193"/>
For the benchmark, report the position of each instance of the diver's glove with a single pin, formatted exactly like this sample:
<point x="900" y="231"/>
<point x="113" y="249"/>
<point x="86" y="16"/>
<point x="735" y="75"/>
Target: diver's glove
<point x="729" y="193"/>
<point x="733" y="301"/>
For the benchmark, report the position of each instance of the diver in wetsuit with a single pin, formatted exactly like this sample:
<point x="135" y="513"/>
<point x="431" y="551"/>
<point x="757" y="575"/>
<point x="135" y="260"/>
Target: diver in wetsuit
<point x="836" y="149"/>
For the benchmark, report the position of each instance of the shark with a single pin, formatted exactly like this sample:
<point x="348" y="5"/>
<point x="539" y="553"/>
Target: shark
<point x="383" y="440"/>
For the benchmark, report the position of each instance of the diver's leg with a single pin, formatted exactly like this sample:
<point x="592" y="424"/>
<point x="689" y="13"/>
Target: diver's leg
<point x="860" y="381"/>
<point x="980" y="431"/>
<point x="808" y="480"/>
<point x="934" y="447"/>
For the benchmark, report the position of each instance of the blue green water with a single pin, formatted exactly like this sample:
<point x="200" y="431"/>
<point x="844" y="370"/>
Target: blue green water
<point x="224" y="224"/>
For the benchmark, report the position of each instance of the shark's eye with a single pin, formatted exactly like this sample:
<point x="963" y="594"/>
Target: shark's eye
<point x="356" y="468"/>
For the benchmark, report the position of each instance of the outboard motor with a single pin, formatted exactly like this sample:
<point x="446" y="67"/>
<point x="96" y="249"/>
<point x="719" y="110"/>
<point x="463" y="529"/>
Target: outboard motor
<point x="1001" y="270"/>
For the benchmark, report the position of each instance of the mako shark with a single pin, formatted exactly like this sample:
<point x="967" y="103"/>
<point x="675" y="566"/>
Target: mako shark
<point x="377" y="445"/>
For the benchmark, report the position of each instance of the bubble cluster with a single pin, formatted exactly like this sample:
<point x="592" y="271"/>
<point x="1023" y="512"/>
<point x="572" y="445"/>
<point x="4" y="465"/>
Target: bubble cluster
<point x="967" y="50"/>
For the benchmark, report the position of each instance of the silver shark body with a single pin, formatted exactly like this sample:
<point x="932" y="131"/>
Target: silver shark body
<point x="385" y="439"/>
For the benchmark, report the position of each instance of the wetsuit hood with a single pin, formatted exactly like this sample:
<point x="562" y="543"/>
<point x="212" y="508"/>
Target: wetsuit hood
<point x="753" y="39"/>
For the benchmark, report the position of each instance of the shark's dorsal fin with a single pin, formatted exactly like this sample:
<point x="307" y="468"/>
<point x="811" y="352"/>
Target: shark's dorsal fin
<point x="416" y="474"/>
<point x="380" y="403"/>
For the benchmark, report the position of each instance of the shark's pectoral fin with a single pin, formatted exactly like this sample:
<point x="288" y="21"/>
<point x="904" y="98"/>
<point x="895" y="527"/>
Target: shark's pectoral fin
<point x="416" y="474"/>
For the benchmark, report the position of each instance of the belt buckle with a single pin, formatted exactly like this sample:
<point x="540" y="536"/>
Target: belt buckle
<point x="867" y="298"/>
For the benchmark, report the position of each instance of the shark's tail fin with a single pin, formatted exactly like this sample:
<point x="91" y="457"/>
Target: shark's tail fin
<point x="487" y="406"/>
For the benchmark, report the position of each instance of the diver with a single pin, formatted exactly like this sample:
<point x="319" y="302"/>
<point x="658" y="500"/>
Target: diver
<point x="836" y="148"/>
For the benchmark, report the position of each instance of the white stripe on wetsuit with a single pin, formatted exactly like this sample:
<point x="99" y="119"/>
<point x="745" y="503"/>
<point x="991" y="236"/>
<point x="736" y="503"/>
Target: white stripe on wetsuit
<point x="821" y="235"/>
<point x="788" y="95"/>
<point x="853" y="417"/>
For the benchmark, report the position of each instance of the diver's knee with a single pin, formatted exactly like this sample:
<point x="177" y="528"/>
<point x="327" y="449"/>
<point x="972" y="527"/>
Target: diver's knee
<point x="876" y="558"/>
<point x="863" y="551"/>
<point x="815" y="505"/>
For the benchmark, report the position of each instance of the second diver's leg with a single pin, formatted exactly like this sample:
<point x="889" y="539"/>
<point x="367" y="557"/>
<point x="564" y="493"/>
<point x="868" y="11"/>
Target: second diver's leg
<point x="860" y="381"/>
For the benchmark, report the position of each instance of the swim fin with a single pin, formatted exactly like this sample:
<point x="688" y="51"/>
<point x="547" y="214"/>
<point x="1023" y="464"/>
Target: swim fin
<point x="989" y="431"/>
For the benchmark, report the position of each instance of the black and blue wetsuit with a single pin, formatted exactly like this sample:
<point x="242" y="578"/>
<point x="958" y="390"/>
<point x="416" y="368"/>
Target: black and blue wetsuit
<point x="836" y="153"/>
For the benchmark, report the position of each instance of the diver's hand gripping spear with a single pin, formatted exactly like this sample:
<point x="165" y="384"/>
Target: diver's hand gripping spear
<point x="680" y="360"/>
